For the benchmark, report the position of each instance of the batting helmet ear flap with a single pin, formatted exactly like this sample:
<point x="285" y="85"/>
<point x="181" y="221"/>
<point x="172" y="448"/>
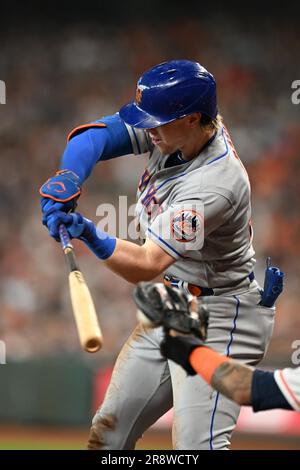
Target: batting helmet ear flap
<point x="169" y="91"/>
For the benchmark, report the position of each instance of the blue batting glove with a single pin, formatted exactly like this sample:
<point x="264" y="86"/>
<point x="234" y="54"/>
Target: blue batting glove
<point x="74" y="223"/>
<point x="49" y="206"/>
<point x="101" y="244"/>
<point x="60" y="193"/>
<point x="62" y="187"/>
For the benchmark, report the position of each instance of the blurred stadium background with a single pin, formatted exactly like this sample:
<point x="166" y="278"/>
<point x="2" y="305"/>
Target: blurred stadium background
<point x="65" y="66"/>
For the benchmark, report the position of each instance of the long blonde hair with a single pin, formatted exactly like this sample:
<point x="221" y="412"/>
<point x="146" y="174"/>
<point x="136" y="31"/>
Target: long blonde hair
<point x="211" y="124"/>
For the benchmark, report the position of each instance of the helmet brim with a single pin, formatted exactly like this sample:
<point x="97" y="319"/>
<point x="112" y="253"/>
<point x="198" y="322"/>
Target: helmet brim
<point x="136" y="117"/>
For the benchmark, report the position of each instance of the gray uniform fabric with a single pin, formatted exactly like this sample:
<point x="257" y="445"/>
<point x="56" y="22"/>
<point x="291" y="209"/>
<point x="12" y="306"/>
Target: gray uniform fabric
<point x="144" y="385"/>
<point x="218" y="180"/>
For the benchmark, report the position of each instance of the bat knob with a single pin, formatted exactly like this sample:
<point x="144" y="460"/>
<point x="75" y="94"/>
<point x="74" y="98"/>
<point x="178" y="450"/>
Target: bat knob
<point x="93" y="345"/>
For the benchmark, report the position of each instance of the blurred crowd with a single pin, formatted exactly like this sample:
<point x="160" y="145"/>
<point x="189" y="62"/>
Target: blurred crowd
<point x="56" y="80"/>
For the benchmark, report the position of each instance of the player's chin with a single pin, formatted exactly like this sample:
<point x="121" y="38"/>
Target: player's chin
<point x="164" y="148"/>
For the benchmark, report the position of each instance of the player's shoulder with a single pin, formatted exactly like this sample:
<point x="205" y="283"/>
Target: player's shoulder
<point x="222" y="153"/>
<point x="221" y="172"/>
<point x="224" y="163"/>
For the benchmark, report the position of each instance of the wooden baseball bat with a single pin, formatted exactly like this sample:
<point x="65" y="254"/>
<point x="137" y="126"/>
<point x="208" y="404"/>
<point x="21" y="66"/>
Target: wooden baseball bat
<point x="83" y="306"/>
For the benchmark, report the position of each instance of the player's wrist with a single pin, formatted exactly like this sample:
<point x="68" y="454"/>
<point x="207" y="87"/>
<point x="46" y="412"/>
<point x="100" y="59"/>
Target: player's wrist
<point x="179" y="349"/>
<point x="206" y="361"/>
<point x="70" y="174"/>
<point x="98" y="241"/>
<point x="64" y="186"/>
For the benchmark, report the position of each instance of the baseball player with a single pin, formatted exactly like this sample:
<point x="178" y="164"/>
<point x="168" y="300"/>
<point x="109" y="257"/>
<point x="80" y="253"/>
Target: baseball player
<point x="263" y="390"/>
<point x="194" y="186"/>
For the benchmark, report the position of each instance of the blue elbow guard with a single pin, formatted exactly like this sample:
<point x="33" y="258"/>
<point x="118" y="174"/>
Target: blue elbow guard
<point x="273" y="285"/>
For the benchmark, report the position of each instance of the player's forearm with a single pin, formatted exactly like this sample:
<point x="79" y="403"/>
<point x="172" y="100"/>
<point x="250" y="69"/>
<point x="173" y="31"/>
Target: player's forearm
<point x="247" y="386"/>
<point x="134" y="263"/>
<point x="234" y="380"/>
<point x="224" y="374"/>
<point x="240" y="383"/>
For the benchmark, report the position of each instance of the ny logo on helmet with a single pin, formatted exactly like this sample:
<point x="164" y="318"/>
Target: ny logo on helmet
<point x="138" y="95"/>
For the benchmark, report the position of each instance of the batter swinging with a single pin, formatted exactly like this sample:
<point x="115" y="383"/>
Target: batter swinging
<point x="192" y="164"/>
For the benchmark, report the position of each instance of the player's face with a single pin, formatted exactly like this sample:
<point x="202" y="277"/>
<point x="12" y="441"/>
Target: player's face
<point x="172" y="136"/>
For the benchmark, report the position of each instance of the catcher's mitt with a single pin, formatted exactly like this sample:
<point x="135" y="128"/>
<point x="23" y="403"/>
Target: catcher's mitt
<point x="160" y="305"/>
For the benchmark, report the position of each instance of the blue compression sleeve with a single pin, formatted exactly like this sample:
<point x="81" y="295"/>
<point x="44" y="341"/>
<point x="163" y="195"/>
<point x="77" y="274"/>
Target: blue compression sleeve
<point x="85" y="149"/>
<point x="99" y="242"/>
<point x="266" y="395"/>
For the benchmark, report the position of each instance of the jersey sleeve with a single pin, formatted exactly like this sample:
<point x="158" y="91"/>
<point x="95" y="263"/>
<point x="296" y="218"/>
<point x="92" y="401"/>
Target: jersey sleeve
<point x="288" y="380"/>
<point x="265" y="393"/>
<point x="183" y="226"/>
<point x="218" y="207"/>
<point x="140" y="140"/>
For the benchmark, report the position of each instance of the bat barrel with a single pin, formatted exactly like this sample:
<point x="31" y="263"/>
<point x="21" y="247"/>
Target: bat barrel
<point x="83" y="306"/>
<point x="85" y="313"/>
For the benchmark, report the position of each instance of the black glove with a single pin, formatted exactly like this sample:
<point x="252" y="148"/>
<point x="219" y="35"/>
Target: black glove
<point x="179" y="349"/>
<point x="170" y="307"/>
<point x="161" y="305"/>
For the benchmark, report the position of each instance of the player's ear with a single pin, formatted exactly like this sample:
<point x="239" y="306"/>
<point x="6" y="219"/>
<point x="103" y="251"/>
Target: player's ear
<point x="194" y="119"/>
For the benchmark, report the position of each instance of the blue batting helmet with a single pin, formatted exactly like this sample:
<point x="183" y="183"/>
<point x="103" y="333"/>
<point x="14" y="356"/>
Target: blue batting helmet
<point x="169" y="91"/>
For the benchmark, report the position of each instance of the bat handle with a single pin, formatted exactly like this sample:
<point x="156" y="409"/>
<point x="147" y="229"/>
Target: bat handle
<point x="64" y="237"/>
<point x="68" y="249"/>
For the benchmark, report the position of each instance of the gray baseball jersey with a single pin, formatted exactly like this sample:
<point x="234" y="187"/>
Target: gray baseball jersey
<point x="288" y="380"/>
<point x="172" y="201"/>
<point x="217" y="183"/>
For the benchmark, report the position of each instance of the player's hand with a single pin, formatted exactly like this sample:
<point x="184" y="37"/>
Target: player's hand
<point x="161" y="305"/>
<point x="76" y="225"/>
<point x="60" y="193"/>
<point x="184" y="320"/>
<point x="179" y="349"/>
<point x="100" y="243"/>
